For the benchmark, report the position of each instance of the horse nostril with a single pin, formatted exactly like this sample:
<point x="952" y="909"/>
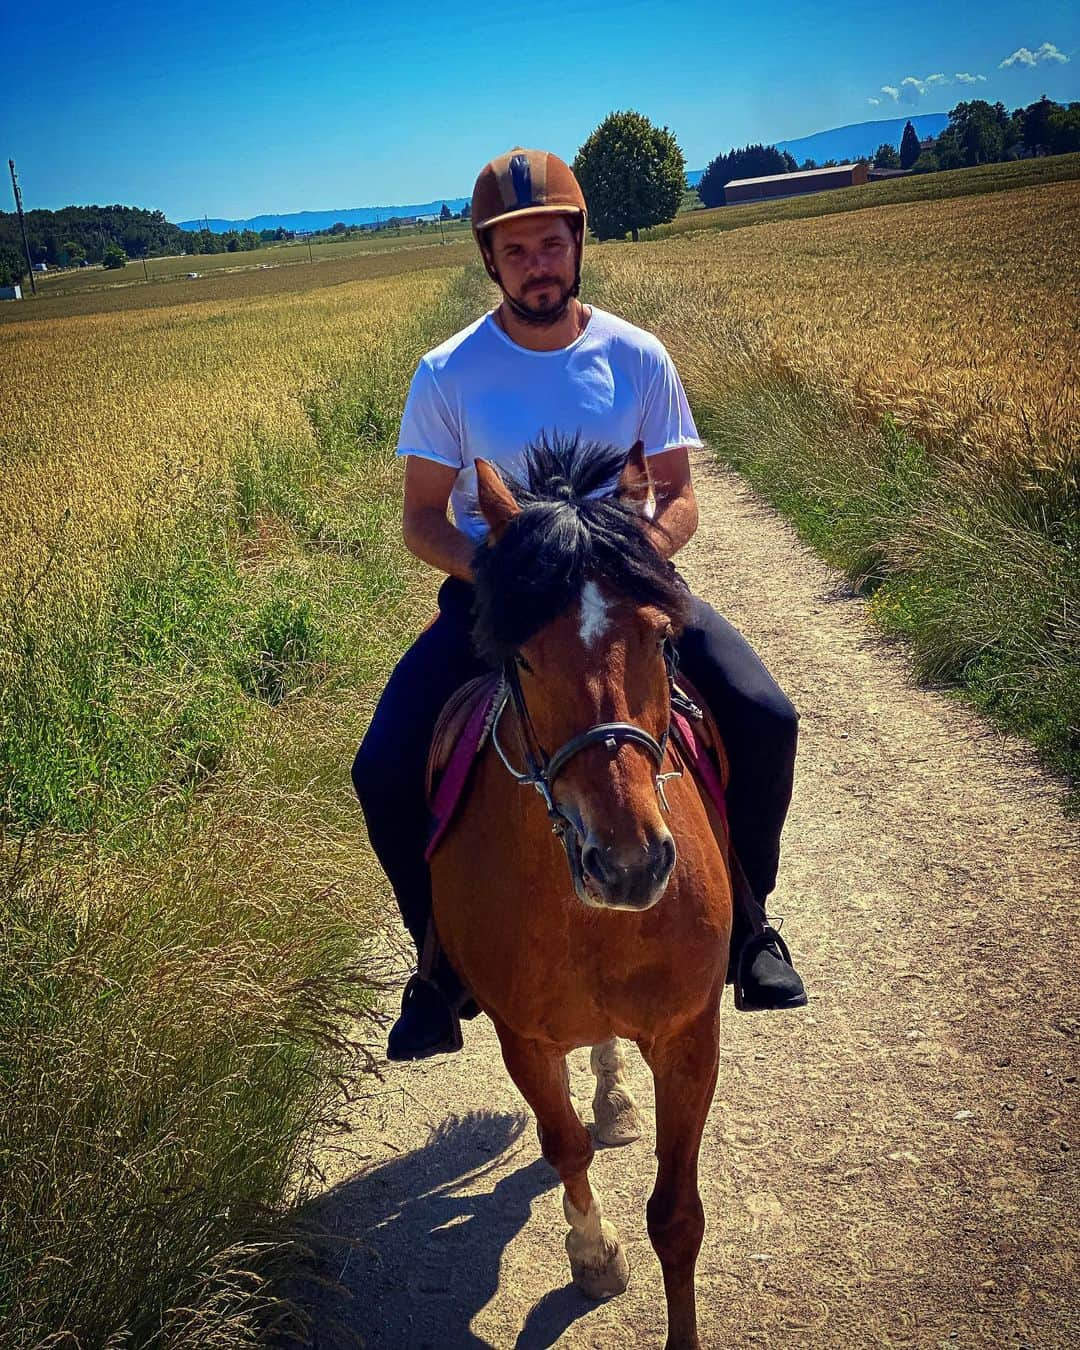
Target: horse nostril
<point x="592" y="860"/>
<point x="665" y="861"/>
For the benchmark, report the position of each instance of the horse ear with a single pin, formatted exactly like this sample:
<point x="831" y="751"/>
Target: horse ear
<point x="495" y="499"/>
<point x="634" y="481"/>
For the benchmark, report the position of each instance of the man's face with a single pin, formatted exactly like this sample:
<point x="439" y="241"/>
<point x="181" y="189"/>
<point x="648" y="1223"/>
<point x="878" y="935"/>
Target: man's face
<point x="537" y="263"/>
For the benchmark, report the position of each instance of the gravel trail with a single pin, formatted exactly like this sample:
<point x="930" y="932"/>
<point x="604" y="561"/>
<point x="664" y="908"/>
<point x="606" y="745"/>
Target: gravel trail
<point x="893" y="1165"/>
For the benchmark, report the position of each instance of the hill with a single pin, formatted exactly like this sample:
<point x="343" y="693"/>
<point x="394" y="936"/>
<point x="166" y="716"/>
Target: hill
<point x="850" y="142"/>
<point x="304" y="222"/>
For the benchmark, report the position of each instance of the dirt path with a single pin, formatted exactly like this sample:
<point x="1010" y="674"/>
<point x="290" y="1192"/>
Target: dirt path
<point x="894" y="1165"/>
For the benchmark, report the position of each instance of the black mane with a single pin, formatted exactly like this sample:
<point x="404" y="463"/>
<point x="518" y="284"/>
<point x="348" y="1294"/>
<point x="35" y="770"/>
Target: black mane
<point x="572" y="528"/>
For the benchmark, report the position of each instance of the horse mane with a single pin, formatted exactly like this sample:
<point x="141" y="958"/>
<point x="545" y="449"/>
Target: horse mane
<point x="572" y="528"/>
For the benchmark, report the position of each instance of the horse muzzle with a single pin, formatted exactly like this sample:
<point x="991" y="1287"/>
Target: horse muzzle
<point x="611" y="879"/>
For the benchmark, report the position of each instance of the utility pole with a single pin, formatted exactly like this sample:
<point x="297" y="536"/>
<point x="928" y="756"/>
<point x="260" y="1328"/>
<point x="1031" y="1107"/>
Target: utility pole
<point x="146" y="274"/>
<point x="22" y="224"/>
<point x="309" y="257"/>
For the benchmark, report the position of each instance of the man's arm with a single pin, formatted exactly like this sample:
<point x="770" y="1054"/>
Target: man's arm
<point x="676" y="515"/>
<point x="426" y="527"/>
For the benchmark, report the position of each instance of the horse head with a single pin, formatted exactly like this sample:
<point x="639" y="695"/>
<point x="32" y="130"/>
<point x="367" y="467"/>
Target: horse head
<point x="578" y="607"/>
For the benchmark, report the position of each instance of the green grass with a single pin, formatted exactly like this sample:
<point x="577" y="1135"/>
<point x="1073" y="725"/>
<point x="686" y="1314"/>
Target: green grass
<point x="1021" y="173"/>
<point x="976" y="568"/>
<point x="291" y="275"/>
<point x="73" y="281"/>
<point x="184" y="892"/>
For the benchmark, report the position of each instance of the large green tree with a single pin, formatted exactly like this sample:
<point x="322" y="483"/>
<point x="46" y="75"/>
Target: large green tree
<point x="885" y="157"/>
<point x="632" y="173"/>
<point x="750" y="161"/>
<point x="909" y="146"/>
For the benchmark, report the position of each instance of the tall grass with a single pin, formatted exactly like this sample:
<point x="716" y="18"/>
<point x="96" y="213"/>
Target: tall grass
<point x="184" y="900"/>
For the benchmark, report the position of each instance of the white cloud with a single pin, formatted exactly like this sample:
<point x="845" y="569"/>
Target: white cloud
<point x="912" y="89"/>
<point x="1024" y="56"/>
<point x="873" y="102"/>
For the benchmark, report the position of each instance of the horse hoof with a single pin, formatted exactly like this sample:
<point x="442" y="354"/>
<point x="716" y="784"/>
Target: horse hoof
<point x="617" y="1120"/>
<point x="599" y="1269"/>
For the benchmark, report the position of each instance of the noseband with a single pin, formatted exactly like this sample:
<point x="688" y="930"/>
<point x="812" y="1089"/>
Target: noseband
<point x="541" y="769"/>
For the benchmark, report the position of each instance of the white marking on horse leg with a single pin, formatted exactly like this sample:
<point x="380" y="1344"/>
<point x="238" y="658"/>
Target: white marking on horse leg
<point x="614" y="1109"/>
<point x="594" y="613"/>
<point x="598" y="1263"/>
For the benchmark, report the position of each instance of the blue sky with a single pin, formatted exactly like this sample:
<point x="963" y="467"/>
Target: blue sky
<point x="249" y="107"/>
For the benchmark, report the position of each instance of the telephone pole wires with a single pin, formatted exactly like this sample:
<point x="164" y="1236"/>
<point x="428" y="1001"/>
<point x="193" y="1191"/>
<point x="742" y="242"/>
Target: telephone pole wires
<point x="22" y="224"/>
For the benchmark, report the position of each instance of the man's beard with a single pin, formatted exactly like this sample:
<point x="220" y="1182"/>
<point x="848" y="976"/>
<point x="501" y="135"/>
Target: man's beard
<point x="544" y="318"/>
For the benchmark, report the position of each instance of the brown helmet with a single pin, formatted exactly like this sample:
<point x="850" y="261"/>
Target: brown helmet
<point x="524" y="183"/>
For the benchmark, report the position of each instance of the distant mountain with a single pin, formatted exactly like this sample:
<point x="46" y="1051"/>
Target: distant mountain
<point x="847" y="143"/>
<point x="306" y="221"/>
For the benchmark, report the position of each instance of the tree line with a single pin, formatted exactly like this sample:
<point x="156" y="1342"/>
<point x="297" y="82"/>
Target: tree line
<point x="978" y="133"/>
<point x="78" y="234"/>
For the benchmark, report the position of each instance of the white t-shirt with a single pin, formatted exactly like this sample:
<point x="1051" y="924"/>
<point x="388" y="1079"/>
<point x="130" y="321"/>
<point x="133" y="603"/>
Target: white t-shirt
<point x="481" y="396"/>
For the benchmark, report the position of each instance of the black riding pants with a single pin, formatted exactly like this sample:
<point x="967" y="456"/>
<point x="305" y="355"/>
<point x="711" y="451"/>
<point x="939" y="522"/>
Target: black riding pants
<point x="755" y="718"/>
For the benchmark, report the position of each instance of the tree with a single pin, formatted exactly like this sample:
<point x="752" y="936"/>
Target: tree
<point x="114" y="257"/>
<point x="1063" y="128"/>
<point x="975" y="135"/>
<point x="926" y="163"/>
<point x="338" y="227"/>
<point x="632" y="173"/>
<point x="885" y="157"/>
<point x="808" y="164"/>
<point x="752" y="161"/>
<point x="12" y="265"/>
<point x="909" y="146"/>
<point x="446" y="213"/>
<point x="466" y="210"/>
<point x="1035" y="125"/>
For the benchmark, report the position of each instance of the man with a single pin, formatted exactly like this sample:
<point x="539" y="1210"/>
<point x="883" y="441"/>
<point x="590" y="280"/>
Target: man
<point x="543" y="363"/>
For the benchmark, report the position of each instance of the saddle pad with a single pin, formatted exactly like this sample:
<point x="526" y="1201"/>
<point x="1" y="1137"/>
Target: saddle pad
<point x="460" y="734"/>
<point x="699" y="756"/>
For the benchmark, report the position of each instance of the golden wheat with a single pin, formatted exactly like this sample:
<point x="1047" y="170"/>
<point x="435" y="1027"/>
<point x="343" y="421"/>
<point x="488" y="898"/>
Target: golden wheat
<point x="127" y="416"/>
<point x="961" y="318"/>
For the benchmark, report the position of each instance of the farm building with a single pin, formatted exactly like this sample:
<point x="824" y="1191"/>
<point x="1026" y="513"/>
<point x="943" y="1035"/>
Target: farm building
<point x="793" y="184"/>
<point x="10" y="292"/>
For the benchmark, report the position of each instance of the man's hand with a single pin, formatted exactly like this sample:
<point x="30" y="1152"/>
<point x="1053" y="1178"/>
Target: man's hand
<point x="676" y="515"/>
<point x="426" y="527"/>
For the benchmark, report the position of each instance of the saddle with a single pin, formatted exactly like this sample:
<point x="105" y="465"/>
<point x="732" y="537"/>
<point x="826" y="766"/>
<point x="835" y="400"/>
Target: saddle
<point x="465" y="723"/>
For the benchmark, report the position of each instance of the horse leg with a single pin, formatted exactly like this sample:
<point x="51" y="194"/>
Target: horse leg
<point x="614" y="1108"/>
<point x="684" y="1067"/>
<point x="597" y="1262"/>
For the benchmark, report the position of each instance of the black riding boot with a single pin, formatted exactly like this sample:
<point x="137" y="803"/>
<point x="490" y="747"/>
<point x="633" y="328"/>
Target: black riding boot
<point x="761" y="967"/>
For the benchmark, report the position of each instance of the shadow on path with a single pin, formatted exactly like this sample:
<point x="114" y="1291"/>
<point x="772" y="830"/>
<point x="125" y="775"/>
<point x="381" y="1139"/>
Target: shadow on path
<point x="419" y="1241"/>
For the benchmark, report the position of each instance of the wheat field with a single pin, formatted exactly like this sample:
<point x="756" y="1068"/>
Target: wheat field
<point x="959" y="318"/>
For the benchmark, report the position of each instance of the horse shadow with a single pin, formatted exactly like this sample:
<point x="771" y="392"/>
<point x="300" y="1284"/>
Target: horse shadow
<point x="412" y="1248"/>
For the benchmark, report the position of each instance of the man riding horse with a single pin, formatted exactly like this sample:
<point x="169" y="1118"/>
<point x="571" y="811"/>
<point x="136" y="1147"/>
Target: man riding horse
<point x="542" y="365"/>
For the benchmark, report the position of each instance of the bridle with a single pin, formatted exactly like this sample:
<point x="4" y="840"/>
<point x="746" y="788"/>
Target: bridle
<point x="542" y="769"/>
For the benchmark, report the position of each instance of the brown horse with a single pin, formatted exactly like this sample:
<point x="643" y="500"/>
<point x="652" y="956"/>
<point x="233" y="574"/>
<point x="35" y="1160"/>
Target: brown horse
<point x="631" y="939"/>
